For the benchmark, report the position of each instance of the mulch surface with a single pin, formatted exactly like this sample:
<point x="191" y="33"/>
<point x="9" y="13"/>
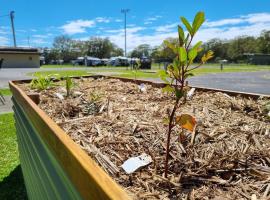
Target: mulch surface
<point x="113" y="121"/>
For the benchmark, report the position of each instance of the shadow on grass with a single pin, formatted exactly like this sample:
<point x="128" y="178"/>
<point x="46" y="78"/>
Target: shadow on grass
<point x="12" y="186"/>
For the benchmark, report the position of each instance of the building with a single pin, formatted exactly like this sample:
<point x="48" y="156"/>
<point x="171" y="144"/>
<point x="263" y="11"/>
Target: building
<point x="258" y="59"/>
<point x="16" y="57"/>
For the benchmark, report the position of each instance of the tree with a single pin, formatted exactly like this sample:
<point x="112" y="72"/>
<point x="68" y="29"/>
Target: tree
<point x="264" y="42"/>
<point x="99" y="47"/>
<point x="141" y="50"/>
<point x="64" y="45"/>
<point x="239" y="46"/>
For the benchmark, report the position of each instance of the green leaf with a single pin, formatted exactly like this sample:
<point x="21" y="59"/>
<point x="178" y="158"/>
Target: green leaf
<point x="207" y="56"/>
<point x="197" y="22"/>
<point x="179" y="93"/>
<point x="181" y="35"/>
<point x="197" y="45"/>
<point x="182" y="54"/>
<point x="192" y="55"/>
<point x="168" y="89"/>
<point x="187" y="25"/>
<point x="188" y="75"/>
<point x="163" y="76"/>
<point x="170" y="45"/>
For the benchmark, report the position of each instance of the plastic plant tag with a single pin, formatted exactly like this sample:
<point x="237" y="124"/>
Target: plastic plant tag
<point x="134" y="163"/>
<point x="190" y="93"/>
<point x="60" y="96"/>
<point x="142" y="87"/>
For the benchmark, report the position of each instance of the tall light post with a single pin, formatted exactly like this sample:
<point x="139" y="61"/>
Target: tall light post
<point x="125" y="11"/>
<point x="12" y="26"/>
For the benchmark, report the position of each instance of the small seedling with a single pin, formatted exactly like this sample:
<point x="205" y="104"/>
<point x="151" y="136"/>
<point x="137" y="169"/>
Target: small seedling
<point x="136" y="67"/>
<point x="42" y="83"/>
<point x="69" y="85"/>
<point x="178" y="72"/>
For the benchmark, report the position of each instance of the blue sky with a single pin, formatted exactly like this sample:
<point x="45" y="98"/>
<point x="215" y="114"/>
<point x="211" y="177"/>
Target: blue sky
<point x="149" y="21"/>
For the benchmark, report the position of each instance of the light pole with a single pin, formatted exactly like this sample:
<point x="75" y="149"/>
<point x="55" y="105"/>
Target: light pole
<point x="125" y="11"/>
<point x="12" y="26"/>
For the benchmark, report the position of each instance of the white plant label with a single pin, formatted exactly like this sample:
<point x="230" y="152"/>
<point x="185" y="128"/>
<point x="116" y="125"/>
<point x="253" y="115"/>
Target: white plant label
<point x="134" y="163"/>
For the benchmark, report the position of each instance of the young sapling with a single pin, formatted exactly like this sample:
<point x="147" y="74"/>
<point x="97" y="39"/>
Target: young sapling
<point x="177" y="74"/>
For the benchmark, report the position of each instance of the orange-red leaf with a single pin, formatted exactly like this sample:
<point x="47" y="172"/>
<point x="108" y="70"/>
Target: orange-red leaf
<point x="186" y="121"/>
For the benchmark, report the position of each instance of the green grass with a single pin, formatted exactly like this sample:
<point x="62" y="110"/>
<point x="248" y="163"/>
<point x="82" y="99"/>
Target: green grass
<point x="61" y="73"/>
<point x="79" y="66"/>
<point x="122" y="72"/>
<point x="11" y="180"/>
<point x="5" y="92"/>
<point x="58" y="66"/>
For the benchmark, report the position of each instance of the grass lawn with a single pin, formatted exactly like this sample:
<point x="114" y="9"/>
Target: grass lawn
<point x="122" y="72"/>
<point x="11" y="179"/>
<point x="5" y="92"/>
<point x="61" y="73"/>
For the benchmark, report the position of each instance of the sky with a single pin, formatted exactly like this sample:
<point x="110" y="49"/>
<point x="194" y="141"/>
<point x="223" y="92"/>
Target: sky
<point x="37" y="23"/>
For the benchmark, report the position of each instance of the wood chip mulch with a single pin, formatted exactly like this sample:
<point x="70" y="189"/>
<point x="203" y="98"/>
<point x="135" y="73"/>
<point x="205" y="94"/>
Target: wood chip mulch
<point x="113" y="121"/>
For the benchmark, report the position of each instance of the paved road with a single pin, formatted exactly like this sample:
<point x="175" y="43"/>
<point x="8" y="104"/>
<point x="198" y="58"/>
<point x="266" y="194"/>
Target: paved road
<point x="20" y="74"/>
<point x="252" y="82"/>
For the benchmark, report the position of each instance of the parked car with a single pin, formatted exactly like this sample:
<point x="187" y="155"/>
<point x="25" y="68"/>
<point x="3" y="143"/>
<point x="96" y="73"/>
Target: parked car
<point x="145" y="63"/>
<point x="104" y="61"/>
<point x="78" y="61"/>
<point x="119" y="61"/>
<point x="92" y="61"/>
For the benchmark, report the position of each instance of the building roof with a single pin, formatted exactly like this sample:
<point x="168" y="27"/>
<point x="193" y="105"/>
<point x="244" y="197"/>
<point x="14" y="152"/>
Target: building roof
<point x="18" y="50"/>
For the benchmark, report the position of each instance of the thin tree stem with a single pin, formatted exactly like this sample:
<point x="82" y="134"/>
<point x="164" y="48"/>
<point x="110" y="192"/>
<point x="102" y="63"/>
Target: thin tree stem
<point x="169" y="137"/>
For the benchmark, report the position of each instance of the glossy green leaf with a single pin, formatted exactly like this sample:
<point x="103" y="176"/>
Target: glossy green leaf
<point x="192" y="55"/>
<point x="181" y="35"/>
<point x="187" y="25"/>
<point x="197" y="22"/>
<point x="182" y="54"/>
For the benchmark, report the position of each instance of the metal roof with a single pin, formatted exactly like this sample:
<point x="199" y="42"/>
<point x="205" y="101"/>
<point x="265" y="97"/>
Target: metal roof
<point x="18" y="50"/>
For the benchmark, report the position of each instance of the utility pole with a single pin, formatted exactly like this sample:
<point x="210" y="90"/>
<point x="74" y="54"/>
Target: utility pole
<point x="12" y="26"/>
<point x="125" y="11"/>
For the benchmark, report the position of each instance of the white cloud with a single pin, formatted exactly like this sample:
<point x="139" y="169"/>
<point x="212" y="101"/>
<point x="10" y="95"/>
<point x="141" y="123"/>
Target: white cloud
<point x="223" y="22"/>
<point x="77" y="26"/>
<point x="166" y="28"/>
<point x="40" y="36"/>
<point x="4" y="41"/>
<point x="102" y="20"/>
<point x="118" y="20"/>
<point x="150" y="20"/>
<point x="250" y="19"/>
<point x="228" y="28"/>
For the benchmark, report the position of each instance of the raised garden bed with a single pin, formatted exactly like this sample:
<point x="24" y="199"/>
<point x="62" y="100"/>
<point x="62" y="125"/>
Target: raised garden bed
<point x="112" y="121"/>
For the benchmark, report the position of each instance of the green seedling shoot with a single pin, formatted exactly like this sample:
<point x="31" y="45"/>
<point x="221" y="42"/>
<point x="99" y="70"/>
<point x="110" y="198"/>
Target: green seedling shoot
<point x="69" y="85"/>
<point x="42" y="83"/>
